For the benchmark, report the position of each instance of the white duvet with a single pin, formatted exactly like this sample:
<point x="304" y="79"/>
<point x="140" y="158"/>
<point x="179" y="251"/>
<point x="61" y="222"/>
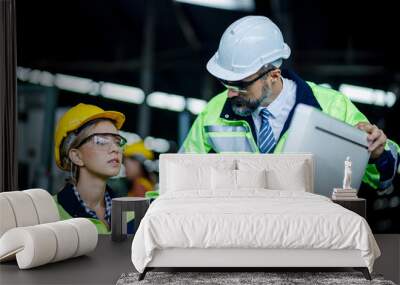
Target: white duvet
<point x="253" y="218"/>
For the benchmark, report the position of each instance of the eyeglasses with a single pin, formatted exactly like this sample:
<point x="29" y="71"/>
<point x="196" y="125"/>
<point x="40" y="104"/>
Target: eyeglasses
<point x="104" y="141"/>
<point x="241" y="86"/>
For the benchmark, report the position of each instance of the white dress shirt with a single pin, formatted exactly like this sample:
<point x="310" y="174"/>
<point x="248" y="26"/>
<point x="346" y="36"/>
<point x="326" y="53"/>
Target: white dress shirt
<point x="279" y="108"/>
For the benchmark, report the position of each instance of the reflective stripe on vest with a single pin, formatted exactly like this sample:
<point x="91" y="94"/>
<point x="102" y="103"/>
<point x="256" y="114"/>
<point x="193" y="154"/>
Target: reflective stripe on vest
<point x="393" y="150"/>
<point x="230" y="138"/>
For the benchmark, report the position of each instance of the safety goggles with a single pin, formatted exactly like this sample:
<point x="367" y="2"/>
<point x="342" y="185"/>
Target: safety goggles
<point x="104" y="141"/>
<point x="242" y="86"/>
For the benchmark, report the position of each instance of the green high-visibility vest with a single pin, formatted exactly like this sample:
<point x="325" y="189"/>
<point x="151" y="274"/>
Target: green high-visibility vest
<point x="100" y="226"/>
<point x="211" y="132"/>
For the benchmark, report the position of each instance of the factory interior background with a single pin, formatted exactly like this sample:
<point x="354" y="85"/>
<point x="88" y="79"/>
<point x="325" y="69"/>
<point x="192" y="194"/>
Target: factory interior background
<point x="147" y="58"/>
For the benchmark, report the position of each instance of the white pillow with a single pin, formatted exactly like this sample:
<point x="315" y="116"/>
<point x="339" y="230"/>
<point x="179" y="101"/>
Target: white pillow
<point x="293" y="178"/>
<point x="188" y="177"/>
<point x="282" y="174"/>
<point x="223" y="179"/>
<point x="226" y="179"/>
<point x="251" y="178"/>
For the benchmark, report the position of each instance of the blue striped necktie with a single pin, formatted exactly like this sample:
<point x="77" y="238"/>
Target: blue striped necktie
<point x="266" y="139"/>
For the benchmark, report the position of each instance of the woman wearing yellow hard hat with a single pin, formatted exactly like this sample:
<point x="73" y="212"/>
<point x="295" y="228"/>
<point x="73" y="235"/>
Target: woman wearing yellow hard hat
<point x="89" y="147"/>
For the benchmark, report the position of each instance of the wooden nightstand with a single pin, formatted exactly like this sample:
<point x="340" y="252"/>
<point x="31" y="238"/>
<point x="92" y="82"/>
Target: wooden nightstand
<point x="358" y="206"/>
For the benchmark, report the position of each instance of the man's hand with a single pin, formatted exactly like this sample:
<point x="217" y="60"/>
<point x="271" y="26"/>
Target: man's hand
<point x="376" y="138"/>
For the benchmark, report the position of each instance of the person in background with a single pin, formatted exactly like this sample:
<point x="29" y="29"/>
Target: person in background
<point x="89" y="147"/>
<point x="135" y="156"/>
<point x="138" y="180"/>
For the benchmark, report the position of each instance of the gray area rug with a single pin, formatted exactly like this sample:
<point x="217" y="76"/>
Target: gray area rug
<point x="225" y="278"/>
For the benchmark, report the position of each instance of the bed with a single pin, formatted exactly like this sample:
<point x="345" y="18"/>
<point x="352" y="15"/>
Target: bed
<point x="247" y="211"/>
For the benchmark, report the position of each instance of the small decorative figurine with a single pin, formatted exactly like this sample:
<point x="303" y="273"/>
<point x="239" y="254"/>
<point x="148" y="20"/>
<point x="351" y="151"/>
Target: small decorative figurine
<point x="345" y="193"/>
<point x="347" y="174"/>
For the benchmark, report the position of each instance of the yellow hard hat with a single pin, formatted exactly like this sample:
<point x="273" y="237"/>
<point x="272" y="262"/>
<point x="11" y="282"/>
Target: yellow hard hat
<point x="138" y="148"/>
<point x="75" y="118"/>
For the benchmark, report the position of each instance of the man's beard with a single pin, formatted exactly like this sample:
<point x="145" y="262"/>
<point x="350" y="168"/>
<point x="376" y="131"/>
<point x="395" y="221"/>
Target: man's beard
<point x="244" y="107"/>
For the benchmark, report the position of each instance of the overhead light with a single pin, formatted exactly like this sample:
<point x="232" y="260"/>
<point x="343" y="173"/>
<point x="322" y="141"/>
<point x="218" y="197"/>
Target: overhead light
<point x="95" y="89"/>
<point x="82" y="85"/>
<point x="166" y="101"/>
<point x="368" y="95"/>
<point x="130" y="137"/>
<point x="34" y="76"/>
<point x="23" y="73"/>
<point x="109" y="90"/>
<point x="73" y="83"/>
<point x="122" y="93"/>
<point x="390" y="98"/>
<point x="196" y="106"/>
<point x="157" y="144"/>
<point x="238" y="5"/>
<point x="46" y="79"/>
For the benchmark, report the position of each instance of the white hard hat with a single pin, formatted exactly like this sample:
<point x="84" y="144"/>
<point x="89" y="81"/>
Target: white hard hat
<point x="247" y="45"/>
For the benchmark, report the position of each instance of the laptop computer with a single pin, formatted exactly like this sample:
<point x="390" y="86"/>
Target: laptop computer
<point x="330" y="141"/>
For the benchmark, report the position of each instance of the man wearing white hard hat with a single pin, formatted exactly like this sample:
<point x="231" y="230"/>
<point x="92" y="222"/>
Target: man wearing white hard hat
<point x="253" y="114"/>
